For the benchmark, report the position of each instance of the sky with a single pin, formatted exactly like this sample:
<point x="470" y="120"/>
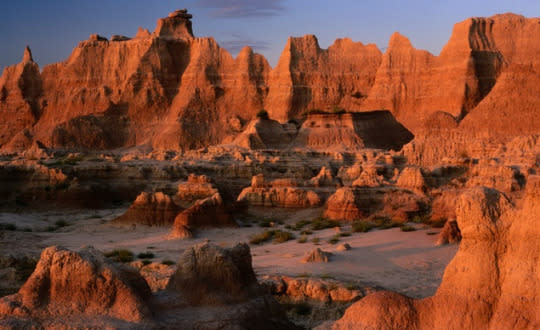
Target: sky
<point x="52" y="28"/>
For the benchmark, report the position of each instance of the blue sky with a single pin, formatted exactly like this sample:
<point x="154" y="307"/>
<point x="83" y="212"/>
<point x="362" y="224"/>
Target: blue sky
<point x="52" y="28"/>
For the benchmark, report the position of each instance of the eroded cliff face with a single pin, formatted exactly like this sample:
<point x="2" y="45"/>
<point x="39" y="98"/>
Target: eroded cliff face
<point x="172" y="91"/>
<point x="484" y="286"/>
<point x="308" y="77"/>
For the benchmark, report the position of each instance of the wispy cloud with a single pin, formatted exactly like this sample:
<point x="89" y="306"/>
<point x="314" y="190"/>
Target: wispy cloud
<point x="238" y="41"/>
<point x="243" y="8"/>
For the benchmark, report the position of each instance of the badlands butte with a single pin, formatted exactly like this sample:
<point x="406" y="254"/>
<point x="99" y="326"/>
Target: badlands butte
<point x="156" y="182"/>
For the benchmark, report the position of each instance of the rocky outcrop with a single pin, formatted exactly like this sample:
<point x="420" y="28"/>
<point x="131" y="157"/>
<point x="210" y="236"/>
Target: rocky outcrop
<point x="20" y="92"/>
<point x="277" y="195"/>
<point x="412" y="178"/>
<point x="308" y="77"/>
<point x="172" y="91"/>
<point x="150" y="209"/>
<point x="352" y="131"/>
<point x="218" y="279"/>
<point x="324" y="179"/>
<point x="317" y="255"/>
<point x="195" y="188"/>
<point x="208" y="212"/>
<point x="84" y="289"/>
<point x="263" y="133"/>
<point x="77" y="289"/>
<point x="482" y="287"/>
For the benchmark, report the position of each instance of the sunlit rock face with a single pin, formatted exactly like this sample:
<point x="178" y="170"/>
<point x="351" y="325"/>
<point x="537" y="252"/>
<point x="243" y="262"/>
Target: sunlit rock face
<point x="489" y="283"/>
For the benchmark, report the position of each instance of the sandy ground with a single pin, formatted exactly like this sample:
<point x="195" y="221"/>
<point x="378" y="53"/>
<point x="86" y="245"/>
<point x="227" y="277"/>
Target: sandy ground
<point x="406" y="262"/>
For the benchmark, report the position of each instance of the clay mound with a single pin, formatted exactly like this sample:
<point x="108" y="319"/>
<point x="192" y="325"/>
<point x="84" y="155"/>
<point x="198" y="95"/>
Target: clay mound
<point x="449" y="234"/>
<point x="150" y="209"/>
<point x="317" y="255"/>
<point x="369" y="178"/>
<point x="77" y="287"/>
<point x="195" y="188"/>
<point x="352" y="131"/>
<point x="482" y="287"/>
<point x="208" y="212"/>
<point x="345" y="204"/>
<point x="211" y="275"/>
<point x="263" y="134"/>
<point x="412" y="178"/>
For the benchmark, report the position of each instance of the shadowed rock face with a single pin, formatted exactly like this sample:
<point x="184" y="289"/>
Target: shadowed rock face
<point x="483" y="286"/>
<point x="170" y="90"/>
<point x="150" y="209"/>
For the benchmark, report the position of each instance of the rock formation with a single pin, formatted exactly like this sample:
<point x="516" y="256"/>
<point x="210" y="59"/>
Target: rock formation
<point x="84" y="289"/>
<point x="150" y="209"/>
<point x="263" y="133"/>
<point x="352" y="131"/>
<point x="278" y="194"/>
<point x="79" y="289"/>
<point x="317" y="255"/>
<point x="208" y="212"/>
<point x="483" y="286"/>
<point x="195" y="188"/>
<point x="449" y="234"/>
<point x="172" y="91"/>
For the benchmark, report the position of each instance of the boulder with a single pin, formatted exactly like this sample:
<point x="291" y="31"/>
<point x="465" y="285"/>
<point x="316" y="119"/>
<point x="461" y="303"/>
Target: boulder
<point x="449" y="234"/>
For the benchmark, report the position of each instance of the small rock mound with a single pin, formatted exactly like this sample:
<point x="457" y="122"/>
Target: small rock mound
<point x="211" y="275"/>
<point x="449" y="234"/>
<point x="195" y="188"/>
<point x="277" y="195"/>
<point x="412" y="178"/>
<point x="68" y="285"/>
<point x="208" y="212"/>
<point x="150" y="209"/>
<point x="317" y="255"/>
<point x="343" y="247"/>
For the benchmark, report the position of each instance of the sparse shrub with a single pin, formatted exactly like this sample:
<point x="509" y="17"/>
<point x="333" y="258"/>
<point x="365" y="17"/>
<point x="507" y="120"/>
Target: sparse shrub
<point x="327" y="276"/>
<point x="50" y="229"/>
<point x="407" y="228"/>
<point x="304" y="275"/>
<point x="146" y="262"/>
<point x="266" y="223"/>
<point x="302" y="239"/>
<point x="430" y="233"/>
<point x="306" y="232"/>
<point x="315" y="240"/>
<point x="344" y="234"/>
<point x="301" y="224"/>
<point x="281" y="236"/>
<point x="168" y="262"/>
<point x="120" y="255"/>
<point x="261" y="237"/>
<point x="361" y="226"/>
<point x="334" y="239"/>
<point x="385" y="223"/>
<point x="145" y="255"/>
<point x="263" y="114"/>
<point x="322" y="223"/>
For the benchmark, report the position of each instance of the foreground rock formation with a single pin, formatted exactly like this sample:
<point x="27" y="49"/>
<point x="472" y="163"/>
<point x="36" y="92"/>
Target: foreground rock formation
<point x="491" y="283"/>
<point x="169" y="90"/>
<point x="84" y="289"/>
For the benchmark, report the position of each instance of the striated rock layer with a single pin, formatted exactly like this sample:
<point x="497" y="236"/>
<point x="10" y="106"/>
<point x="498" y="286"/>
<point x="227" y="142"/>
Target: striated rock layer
<point x="170" y="90"/>
<point x="492" y="283"/>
